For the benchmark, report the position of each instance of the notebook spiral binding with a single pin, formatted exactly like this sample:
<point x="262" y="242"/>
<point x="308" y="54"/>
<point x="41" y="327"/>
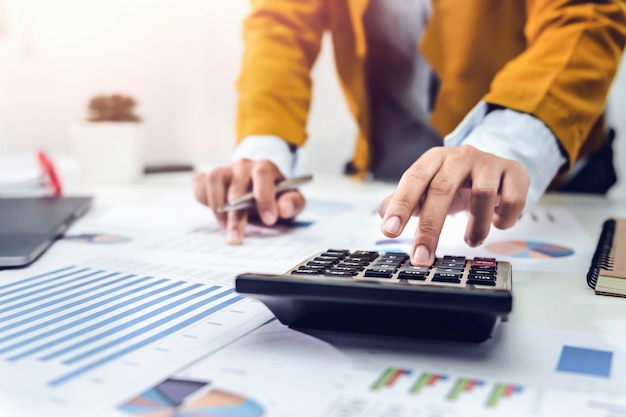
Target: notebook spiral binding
<point x="602" y="256"/>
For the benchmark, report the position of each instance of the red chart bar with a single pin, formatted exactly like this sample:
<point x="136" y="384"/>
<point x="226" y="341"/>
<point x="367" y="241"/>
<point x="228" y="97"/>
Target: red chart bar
<point x="394" y="378"/>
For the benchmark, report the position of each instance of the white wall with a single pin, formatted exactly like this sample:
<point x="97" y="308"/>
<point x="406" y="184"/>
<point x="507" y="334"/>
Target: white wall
<point x="179" y="59"/>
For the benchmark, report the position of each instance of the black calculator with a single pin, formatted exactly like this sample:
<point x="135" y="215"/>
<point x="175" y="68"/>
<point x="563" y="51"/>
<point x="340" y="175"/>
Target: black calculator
<point x="456" y="298"/>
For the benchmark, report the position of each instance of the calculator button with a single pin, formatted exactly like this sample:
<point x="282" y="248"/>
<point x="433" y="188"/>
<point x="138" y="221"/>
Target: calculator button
<point x="389" y="261"/>
<point x="481" y="280"/>
<point x="378" y="273"/>
<point x="343" y="274"/>
<point x="363" y="253"/>
<point x="319" y="264"/>
<point x="441" y="277"/>
<point x="423" y="269"/>
<point x="484" y="262"/>
<point x="493" y="267"/>
<point x="460" y="265"/>
<point x="460" y="259"/>
<point x="394" y="257"/>
<point x="408" y="274"/>
<point x="359" y="258"/>
<point x="339" y="268"/>
<point x="354" y="265"/>
<point x="396" y="254"/>
<point x="332" y="259"/>
<point x="307" y="272"/>
<point x="384" y="267"/>
<point x="450" y="270"/>
<point x="338" y="251"/>
<point x="488" y="272"/>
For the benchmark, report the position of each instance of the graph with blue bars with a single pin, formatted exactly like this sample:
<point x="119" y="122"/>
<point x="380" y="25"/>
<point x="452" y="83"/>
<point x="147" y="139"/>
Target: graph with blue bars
<point x="71" y="323"/>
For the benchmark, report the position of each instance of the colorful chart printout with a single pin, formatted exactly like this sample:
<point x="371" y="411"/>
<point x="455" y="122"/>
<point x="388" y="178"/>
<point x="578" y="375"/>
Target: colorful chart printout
<point x="185" y="398"/>
<point x="529" y="249"/>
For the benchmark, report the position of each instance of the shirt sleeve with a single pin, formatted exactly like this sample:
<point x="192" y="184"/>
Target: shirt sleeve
<point x="267" y="147"/>
<point x="513" y="135"/>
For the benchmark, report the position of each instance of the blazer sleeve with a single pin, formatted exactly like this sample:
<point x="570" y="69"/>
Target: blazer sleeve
<point x="563" y="76"/>
<point x="282" y="41"/>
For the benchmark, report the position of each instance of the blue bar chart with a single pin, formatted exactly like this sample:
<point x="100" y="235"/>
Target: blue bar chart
<point x="72" y="325"/>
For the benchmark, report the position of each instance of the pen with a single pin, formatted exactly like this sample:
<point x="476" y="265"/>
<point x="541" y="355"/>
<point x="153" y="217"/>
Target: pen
<point x="50" y="172"/>
<point x="247" y="200"/>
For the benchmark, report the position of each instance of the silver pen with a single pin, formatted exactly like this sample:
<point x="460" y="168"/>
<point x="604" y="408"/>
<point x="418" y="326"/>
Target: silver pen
<point x="247" y="200"/>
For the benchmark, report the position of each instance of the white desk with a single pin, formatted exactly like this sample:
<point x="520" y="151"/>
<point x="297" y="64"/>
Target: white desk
<point x="331" y="375"/>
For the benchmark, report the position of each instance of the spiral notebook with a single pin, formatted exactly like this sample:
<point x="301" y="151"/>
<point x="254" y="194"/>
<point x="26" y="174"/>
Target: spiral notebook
<point x="607" y="273"/>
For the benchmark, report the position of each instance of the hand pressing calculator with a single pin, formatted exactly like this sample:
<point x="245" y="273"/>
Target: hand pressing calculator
<point x="382" y="293"/>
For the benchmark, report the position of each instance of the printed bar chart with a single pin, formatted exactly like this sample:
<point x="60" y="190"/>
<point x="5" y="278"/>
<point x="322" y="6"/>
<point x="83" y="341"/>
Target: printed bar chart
<point x="502" y="391"/>
<point x="426" y="379"/>
<point x="389" y="378"/>
<point x="72" y="321"/>
<point x="463" y="385"/>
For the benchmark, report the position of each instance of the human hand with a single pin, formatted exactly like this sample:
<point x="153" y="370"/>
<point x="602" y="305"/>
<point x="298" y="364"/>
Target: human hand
<point x="446" y="180"/>
<point x="216" y="187"/>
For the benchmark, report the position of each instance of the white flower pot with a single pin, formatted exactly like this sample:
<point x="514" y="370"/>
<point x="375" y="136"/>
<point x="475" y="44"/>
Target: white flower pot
<point x="108" y="152"/>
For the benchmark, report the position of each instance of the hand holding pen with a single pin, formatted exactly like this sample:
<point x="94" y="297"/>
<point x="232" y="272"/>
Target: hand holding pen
<point x="226" y="190"/>
<point x="247" y="200"/>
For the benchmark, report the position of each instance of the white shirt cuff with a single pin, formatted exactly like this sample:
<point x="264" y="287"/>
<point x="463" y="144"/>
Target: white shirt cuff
<point x="513" y="135"/>
<point x="267" y="147"/>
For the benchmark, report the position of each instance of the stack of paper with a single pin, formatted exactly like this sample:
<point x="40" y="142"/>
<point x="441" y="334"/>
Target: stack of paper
<point x="21" y="175"/>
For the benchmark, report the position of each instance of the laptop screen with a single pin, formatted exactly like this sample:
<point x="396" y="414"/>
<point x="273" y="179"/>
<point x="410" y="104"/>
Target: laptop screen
<point x="28" y="226"/>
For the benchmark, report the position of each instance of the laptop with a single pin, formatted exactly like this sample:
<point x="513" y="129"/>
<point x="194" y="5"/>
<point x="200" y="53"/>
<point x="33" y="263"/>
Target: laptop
<point x="28" y="226"/>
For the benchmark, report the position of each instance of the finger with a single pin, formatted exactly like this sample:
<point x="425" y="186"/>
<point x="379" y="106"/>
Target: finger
<point x="290" y="204"/>
<point x="382" y="207"/>
<point x="411" y="187"/>
<point x="216" y="184"/>
<point x="515" y="185"/>
<point x="238" y="219"/>
<point x="461" y="200"/>
<point x="441" y="192"/>
<point x="199" y="188"/>
<point x="264" y="177"/>
<point x="482" y="202"/>
<point x="236" y="226"/>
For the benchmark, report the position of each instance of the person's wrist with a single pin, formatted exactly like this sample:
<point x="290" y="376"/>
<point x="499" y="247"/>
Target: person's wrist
<point x="267" y="147"/>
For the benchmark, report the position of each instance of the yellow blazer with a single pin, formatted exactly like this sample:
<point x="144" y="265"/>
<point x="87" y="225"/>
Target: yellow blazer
<point x="554" y="59"/>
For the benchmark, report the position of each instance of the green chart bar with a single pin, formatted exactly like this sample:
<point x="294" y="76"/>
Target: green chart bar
<point x="463" y="385"/>
<point x="426" y="379"/>
<point x="388" y="378"/>
<point x="502" y="391"/>
<point x="458" y="388"/>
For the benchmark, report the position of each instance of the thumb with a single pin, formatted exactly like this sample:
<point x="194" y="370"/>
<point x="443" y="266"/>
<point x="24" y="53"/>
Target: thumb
<point x="290" y="204"/>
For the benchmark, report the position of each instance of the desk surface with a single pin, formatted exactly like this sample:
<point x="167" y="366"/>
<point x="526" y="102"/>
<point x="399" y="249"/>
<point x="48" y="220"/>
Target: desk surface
<point x="550" y="307"/>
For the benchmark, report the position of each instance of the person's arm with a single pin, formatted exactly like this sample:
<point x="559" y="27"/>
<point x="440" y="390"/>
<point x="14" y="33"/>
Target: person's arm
<point x="564" y="75"/>
<point x="562" y="79"/>
<point x="282" y="41"/>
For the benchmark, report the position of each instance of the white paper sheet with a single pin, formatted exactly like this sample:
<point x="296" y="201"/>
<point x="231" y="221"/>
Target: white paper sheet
<point x="514" y="374"/>
<point x="83" y="338"/>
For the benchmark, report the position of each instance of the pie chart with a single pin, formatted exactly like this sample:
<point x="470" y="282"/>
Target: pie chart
<point x="529" y="249"/>
<point x="185" y="398"/>
<point x="101" y="238"/>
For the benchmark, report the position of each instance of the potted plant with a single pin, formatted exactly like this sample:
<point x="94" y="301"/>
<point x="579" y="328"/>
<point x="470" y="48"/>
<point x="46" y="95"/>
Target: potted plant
<point x="109" y="143"/>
